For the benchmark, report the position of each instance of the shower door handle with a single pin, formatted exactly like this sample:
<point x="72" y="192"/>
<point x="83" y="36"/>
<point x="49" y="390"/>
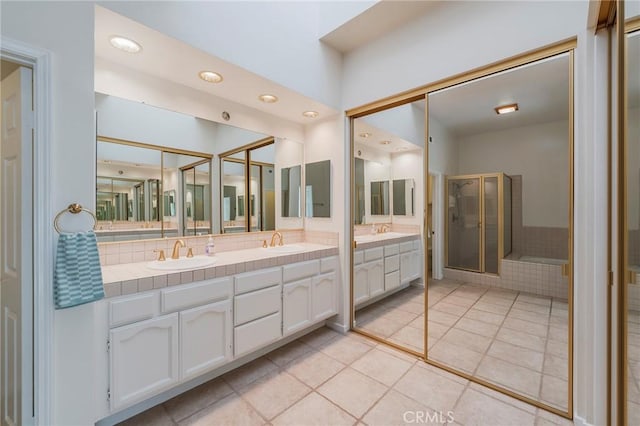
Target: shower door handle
<point x="479" y="224"/>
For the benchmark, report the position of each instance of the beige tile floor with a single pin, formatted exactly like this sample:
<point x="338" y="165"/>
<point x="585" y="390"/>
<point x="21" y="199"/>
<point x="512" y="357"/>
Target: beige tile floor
<point x="513" y="339"/>
<point x="327" y="379"/>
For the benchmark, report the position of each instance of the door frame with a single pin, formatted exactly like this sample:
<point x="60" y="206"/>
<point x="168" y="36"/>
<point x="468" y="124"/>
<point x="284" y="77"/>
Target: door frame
<point x="438" y="221"/>
<point x="39" y="60"/>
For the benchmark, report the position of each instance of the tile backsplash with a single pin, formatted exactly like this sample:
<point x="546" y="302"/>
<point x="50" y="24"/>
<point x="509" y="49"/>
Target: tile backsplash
<point x="114" y="253"/>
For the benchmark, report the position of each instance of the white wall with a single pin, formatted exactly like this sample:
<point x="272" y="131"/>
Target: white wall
<point x="454" y="38"/>
<point x="540" y="153"/>
<point x="324" y="140"/>
<point x="443" y="149"/>
<point x="277" y="40"/>
<point x="51" y="25"/>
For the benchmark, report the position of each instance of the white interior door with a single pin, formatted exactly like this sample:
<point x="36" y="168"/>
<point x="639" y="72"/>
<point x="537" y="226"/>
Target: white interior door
<point x="16" y="289"/>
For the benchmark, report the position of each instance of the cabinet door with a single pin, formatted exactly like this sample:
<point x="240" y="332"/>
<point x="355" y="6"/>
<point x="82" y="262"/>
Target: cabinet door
<point x="360" y="284"/>
<point x="144" y="359"/>
<point x="296" y="301"/>
<point x="205" y="338"/>
<point x="375" y="276"/>
<point x="416" y="264"/>
<point x="324" y="296"/>
<point x="407" y="269"/>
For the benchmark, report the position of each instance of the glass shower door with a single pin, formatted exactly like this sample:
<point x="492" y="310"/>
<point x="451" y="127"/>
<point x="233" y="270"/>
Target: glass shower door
<point x="464" y="223"/>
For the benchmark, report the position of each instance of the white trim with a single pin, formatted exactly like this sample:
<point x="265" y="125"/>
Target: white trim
<point x="43" y="245"/>
<point x="579" y="421"/>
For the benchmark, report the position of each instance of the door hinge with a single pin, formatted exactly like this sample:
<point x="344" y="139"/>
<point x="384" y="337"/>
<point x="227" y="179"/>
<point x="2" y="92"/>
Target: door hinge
<point x="109" y="395"/>
<point x="610" y="275"/>
<point x="108" y="345"/>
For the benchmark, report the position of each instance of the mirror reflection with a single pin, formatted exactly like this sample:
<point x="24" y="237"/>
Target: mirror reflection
<point x="380" y="198"/>
<point x="388" y="284"/>
<point x="155" y="176"/>
<point x="633" y="216"/>
<point x="318" y="189"/>
<point x="500" y="311"/>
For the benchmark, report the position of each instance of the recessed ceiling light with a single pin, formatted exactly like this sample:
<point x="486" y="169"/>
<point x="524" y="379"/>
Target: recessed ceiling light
<point x="268" y="99"/>
<point x="385" y="142"/>
<point x="310" y="114"/>
<point x="125" y="44"/>
<point x="210" y="76"/>
<point x="506" y="109"/>
<point x="364" y="135"/>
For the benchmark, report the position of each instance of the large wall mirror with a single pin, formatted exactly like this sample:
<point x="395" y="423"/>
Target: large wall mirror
<point x="629" y="377"/>
<point x="388" y="280"/>
<point x="501" y="314"/>
<point x="155" y="176"/>
<point x="318" y="189"/>
<point x="493" y="218"/>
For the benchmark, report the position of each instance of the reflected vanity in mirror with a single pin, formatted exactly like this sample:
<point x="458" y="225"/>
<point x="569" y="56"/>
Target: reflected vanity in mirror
<point x="388" y="285"/>
<point x="318" y="189"/>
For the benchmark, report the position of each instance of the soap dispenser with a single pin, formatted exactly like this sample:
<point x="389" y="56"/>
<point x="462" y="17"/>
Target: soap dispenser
<point x="208" y="249"/>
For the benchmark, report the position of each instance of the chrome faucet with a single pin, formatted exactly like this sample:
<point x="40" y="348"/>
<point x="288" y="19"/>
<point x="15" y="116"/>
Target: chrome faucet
<point x="175" y="254"/>
<point x="273" y="238"/>
<point x="384" y="228"/>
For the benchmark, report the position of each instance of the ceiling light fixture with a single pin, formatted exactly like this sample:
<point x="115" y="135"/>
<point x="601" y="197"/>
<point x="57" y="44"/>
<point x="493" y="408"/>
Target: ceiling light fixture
<point x="268" y="99"/>
<point x="364" y="135"/>
<point x="125" y="44"/>
<point x="210" y="76"/>
<point x="506" y="109"/>
<point x="385" y="142"/>
<point x="311" y="114"/>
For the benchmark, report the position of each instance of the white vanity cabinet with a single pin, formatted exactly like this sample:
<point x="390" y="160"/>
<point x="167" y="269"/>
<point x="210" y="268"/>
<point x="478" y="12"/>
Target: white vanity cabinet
<point x="205" y="334"/>
<point x="144" y="359"/>
<point x="309" y="293"/>
<point x="257" y="309"/>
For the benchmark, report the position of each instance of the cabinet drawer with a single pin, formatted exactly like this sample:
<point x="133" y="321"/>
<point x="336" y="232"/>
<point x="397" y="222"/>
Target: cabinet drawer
<point x="130" y="309"/>
<point x="406" y="246"/>
<point x="391" y="249"/>
<point x="391" y="263"/>
<point x="358" y="257"/>
<point x="255" y="280"/>
<point x="256" y="304"/>
<point x="373" y="254"/>
<point x="391" y="280"/>
<point x="297" y="271"/>
<point x="257" y="333"/>
<point x="187" y="296"/>
<point x="329" y="264"/>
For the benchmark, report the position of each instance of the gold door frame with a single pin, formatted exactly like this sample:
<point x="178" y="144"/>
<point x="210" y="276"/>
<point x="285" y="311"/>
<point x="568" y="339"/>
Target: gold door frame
<point x="563" y="47"/>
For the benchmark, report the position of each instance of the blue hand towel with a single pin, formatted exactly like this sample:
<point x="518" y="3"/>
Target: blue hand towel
<point x="78" y="276"/>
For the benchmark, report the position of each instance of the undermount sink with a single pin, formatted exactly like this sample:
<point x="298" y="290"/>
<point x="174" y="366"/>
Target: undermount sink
<point x="183" y="263"/>
<point x="287" y="248"/>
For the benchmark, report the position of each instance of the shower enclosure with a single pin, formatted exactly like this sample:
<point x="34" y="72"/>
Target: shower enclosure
<point x="478" y="226"/>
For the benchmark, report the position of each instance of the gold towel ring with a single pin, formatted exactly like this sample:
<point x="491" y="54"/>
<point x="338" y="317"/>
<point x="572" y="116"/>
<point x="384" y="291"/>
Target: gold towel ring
<point x="74" y="208"/>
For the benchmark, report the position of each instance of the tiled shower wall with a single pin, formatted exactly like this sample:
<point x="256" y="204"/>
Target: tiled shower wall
<point x="535" y="241"/>
<point x="536" y="278"/>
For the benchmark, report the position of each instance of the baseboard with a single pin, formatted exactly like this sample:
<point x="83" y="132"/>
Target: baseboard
<point x="579" y="421"/>
<point x="336" y="326"/>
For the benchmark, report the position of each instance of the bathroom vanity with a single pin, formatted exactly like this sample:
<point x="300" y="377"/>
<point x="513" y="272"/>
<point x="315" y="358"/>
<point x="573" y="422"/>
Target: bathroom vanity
<point x="168" y="328"/>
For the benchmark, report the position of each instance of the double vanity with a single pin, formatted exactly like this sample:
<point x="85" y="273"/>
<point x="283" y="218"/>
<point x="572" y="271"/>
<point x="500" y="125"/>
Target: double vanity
<point x="169" y="327"/>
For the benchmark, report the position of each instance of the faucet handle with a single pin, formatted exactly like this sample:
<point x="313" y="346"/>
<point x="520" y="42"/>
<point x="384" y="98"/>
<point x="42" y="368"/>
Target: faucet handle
<point x="264" y="243"/>
<point x="161" y="257"/>
<point x="190" y="252"/>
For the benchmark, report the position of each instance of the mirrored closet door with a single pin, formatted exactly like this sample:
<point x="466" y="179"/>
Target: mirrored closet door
<point x="629" y="317"/>
<point x="388" y="201"/>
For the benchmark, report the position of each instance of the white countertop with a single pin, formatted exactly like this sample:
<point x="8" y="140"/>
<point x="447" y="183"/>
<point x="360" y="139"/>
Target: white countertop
<point x="133" y="271"/>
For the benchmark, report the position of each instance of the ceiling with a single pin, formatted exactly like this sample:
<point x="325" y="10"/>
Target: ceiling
<point x="381" y="18"/>
<point x="173" y="60"/>
<point x="7" y="68"/>
<point x="541" y="91"/>
<point x="376" y="135"/>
